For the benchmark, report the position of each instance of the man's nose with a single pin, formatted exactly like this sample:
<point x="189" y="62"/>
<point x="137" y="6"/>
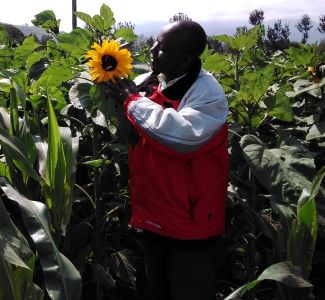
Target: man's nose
<point x="154" y="48"/>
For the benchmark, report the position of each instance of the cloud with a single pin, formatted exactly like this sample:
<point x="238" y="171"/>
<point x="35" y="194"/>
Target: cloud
<point x="142" y="11"/>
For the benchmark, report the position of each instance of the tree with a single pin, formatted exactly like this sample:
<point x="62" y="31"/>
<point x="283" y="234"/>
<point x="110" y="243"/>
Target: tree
<point x="321" y="25"/>
<point x="304" y="25"/>
<point x="241" y="30"/>
<point x="150" y="41"/>
<point x="10" y="35"/>
<point x="277" y="38"/>
<point x="126" y="24"/>
<point x="256" y="17"/>
<point x="215" y="45"/>
<point x="180" y="16"/>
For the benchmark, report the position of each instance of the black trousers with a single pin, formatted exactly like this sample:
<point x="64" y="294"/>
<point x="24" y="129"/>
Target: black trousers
<point x="181" y="269"/>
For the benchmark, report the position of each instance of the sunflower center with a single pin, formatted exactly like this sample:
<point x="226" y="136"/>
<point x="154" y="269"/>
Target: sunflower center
<point x="109" y="63"/>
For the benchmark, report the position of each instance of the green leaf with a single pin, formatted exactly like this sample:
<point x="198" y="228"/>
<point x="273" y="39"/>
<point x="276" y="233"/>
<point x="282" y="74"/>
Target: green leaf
<point x="55" y="168"/>
<point x="97" y="163"/>
<point x="254" y="86"/>
<point x="57" y="97"/>
<point x="103" y="276"/>
<point x="241" y="42"/>
<point x="79" y="95"/>
<point x="121" y="266"/>
<point x="14" y="245"/>
<point x="286" y="215"/>
<point x="303" y="85"/>
<point x="4" y="170"/>
<point x="307" y="214"/>
<point x="229" y="40"/>
<point x="16" y="261"/>
<point x="84" y="17"/>
<point x="216" y="63"/>
<point x="6" y="58"/>
<point x="19" y="82"/>
<point x="303" y="235"/>
<point x="316" y="132"/>
<point x="317" y="182"/>
<point x="285" y="273"/>
<point x="98" y="23"/>
<point x="76" y="43"/>
<point x="37" y="63"/>
<point x="303" y="56"/>
<point x="281" y="108"/>
<point x="8" y="73"/>
<point x="7" y="288"/>
<point x="53" y="76"/>
<point x="126" y="33"/>
<point x="14" y="117"/>
<point x="62" y="280"/>
<point x="282" y="272"/>
<point x="301" y="244"/>
<point x="47" y="20"/>
<point x="60" y="171"/>
<point x="70" y="148"/>
<point x="10" y="255"/>
<point x="24" y="51"/>
<point x="16" y="150"/>
<point x="38" y="100"/>
<point x="278" y="169"/>
<point x="107" y="15"/>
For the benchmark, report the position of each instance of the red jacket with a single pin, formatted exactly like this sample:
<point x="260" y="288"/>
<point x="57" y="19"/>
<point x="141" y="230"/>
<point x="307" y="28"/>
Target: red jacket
<point x="175" y="194"/>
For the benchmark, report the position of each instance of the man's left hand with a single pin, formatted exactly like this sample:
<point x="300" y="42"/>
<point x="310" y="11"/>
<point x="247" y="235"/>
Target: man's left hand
<point x="121" y="89"/>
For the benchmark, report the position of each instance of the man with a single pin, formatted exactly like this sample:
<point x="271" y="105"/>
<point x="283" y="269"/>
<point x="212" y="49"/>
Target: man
<point x="178" y="167"/>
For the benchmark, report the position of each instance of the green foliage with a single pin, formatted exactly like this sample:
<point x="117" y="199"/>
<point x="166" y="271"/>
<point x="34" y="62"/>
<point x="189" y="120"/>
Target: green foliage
<point x="76" y="43"/>
<point x="61" y="278"/>
<point x="60" y="172"/>
<point x="272" y="161"/>
<point x="303" y="56"/>
<point x="241" y="42"/>
<point x="301" y="245"/>
<point x="63" y="143"/>
<point x="126" y="33"/>
<point x="16" y="153"/>
<point x="282" y="272"/>
<point x="100" y="25"/>
<point x="280" y="170"/>
<point x="47" y="20"/>
<point x="17" y="262"/>
<point x="303" y="235"/>
<point x="24" y="51"/>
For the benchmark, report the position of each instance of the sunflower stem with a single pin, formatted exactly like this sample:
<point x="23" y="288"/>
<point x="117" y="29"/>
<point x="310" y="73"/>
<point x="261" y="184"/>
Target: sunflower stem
<point x="97" y="200"/>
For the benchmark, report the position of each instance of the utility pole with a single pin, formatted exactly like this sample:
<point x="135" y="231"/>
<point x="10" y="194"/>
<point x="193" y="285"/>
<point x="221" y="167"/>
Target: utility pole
<point x="74" y="17"/>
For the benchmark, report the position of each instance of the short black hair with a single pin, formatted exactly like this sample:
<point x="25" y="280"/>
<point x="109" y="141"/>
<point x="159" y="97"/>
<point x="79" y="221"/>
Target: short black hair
<point x="191" y="35"/>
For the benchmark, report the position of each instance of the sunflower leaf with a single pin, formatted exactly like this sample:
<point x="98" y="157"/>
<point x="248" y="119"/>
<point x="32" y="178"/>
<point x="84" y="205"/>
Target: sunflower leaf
<point x="108" y="16"/>
<point x="84" y="17"/>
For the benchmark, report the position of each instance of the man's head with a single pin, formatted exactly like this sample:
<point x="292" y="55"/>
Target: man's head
<point x="178" y="46"/>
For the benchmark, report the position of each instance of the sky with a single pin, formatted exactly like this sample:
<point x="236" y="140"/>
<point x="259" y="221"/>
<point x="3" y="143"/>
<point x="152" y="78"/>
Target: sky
<point x="19" y="12"/>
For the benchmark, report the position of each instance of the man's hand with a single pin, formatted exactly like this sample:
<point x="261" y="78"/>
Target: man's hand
<point x="121" y="89"/>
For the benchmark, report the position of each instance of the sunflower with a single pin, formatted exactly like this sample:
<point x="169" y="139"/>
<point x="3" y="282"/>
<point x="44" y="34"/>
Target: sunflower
<point x="108" y="61"/>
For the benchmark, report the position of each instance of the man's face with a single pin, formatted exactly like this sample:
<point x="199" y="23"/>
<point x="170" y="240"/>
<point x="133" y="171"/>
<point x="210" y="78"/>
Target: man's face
<point x="167" y="53"/>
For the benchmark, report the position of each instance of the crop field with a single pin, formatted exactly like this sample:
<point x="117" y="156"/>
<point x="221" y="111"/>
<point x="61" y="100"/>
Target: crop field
<point x="64" y="197"/>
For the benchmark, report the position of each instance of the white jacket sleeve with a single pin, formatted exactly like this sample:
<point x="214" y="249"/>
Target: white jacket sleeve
<point x="201" y="113"/>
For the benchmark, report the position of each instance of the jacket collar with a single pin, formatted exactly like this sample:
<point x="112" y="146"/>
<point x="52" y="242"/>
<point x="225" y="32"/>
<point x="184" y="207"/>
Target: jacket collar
<point x="175" y="91"/>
